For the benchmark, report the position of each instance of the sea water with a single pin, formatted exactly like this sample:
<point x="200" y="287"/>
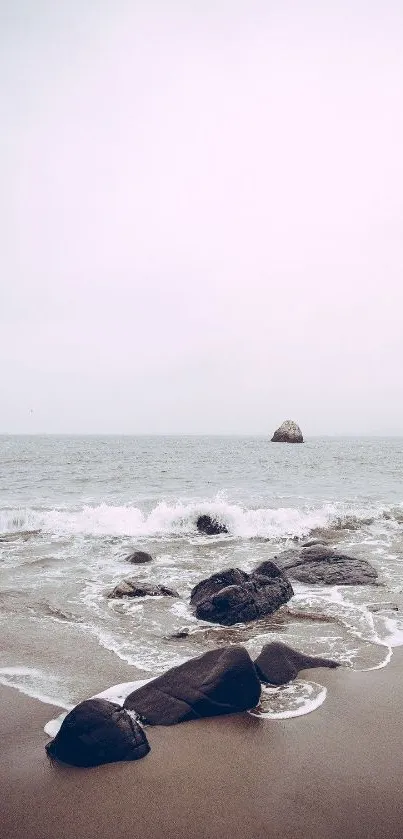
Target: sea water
<point x="73" y="508"/>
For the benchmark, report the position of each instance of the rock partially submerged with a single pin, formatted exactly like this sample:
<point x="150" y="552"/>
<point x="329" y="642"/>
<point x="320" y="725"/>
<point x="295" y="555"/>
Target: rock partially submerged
<point x="139" y="558"/>
<point x="132" y="588"/>
<point x="210" y="526"/>
<point x="233" y="596"/>
<point x="327" y="566"/>
<point x="222" y="681"/>
<point x="277" y="663"/>
<point x="288" y="432"/>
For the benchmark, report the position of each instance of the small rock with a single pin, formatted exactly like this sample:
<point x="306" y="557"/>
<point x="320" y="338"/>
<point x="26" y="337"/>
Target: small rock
<point x="210" y="526"/>
<point x="184" y="632"/>
<point x="132" y="588"/>
<point x="139" y="558"/>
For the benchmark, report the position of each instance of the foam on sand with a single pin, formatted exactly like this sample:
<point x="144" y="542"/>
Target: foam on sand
<point x="292" y="700"/>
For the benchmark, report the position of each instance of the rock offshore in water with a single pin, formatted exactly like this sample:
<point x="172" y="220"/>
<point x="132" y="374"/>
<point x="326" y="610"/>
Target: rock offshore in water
<point x="210" y="526"/>
<point x="233" y="596"/>
<point x="132" y="588"/>
<point x="289" y="432"/>
<point x="139" y="557"/>
<point x="321" y="564"/>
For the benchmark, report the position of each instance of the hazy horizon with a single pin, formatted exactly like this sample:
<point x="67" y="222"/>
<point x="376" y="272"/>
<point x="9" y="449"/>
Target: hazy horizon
<point x="238" y="435"/>
<point x="201" y="216"/>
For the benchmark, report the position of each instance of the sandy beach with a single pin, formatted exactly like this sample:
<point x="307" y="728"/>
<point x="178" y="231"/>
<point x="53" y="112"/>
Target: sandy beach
<point x="335" y="772"/>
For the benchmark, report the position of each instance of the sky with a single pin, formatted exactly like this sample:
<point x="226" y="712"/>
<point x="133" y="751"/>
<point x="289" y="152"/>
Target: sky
<point x="201" y="216"/>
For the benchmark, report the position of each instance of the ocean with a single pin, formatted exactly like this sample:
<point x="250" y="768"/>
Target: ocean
<point x="72" y="508"/>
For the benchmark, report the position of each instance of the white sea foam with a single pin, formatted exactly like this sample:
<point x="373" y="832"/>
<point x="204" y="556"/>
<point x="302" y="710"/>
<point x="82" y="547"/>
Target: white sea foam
<point x="393" y="632"/>
<point x="379" y="629"/>
<point x="170" y="520"/>
<point x="295" y="699"/>
<point x="53" y="726"/>
<point x="23" y="679"/>
<point x="118" y="693"/>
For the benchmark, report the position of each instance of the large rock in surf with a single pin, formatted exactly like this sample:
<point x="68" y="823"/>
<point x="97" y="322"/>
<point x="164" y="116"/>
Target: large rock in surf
<point x="277" y="663"/>
<point x="233" y="596"/>
<point x="210" y="526"/>
<point x="97" y="731"/>
<point x="132" y="588"/>
<point x="288" y="432"/>
<point x="222" y="681"/>
<point x="139" y="558"/>
<point x="327" y="566"/>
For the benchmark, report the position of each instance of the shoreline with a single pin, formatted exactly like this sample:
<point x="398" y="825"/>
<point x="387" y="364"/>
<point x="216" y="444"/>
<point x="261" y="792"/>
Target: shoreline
<point x="333" y="772"/>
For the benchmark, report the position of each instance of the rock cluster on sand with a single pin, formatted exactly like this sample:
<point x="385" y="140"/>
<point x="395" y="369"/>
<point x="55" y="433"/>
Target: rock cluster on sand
<point x="234" y="596"/>
<point x="221" y="681"/>
<point x="132" y="588"/>
<point x="289" y="432"/>
<point x="321" y="564"/>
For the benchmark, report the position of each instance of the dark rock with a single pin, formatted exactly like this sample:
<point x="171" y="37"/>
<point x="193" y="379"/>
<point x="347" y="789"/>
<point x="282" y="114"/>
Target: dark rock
<point x="328" y="566"/>
<point x="139" y="557"/>
<point x="97" y="731"/>
<point x="277" y="663"/>
<point x="233" y="604"/>
<point x="233" y="596"/>
<point x="210" y="526"/>
<point x="214" y="584"/>
<point x="222" y="681"/>
<point x="288" y="432"/>
<point x="132" y="588"/>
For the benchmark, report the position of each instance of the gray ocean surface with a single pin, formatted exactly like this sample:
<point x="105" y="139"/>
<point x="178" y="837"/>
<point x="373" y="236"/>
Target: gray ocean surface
<point x="72" y="508"/>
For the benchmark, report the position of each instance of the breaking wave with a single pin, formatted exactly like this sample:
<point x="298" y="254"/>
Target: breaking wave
<point x="179" y="520"/>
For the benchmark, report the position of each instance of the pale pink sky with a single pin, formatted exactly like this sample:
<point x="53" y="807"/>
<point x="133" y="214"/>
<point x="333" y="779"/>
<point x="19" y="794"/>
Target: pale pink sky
<point x="202" y="216"/>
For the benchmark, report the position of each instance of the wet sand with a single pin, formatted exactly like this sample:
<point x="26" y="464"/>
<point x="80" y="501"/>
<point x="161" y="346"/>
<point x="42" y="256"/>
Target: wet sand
<point x="333" y="773"/>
